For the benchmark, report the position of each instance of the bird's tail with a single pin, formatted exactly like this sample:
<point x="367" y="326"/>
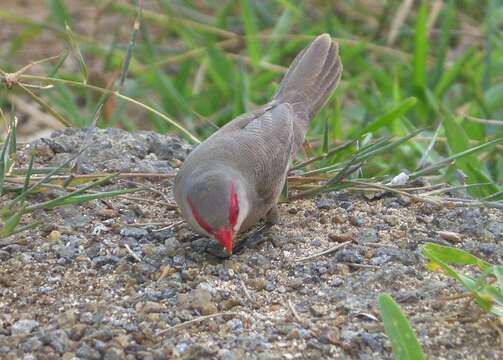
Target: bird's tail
<point x="311" y="78"/>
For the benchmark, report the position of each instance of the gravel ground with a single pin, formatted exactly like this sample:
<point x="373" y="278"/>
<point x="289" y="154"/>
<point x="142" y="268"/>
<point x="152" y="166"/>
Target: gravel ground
<point x="72" y="289"/>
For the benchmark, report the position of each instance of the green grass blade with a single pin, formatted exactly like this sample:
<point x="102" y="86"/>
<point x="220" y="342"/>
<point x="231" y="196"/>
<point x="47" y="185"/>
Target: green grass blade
<point x="380" y="147"/>
<point x="493" y="97"/>
<point x="31" y="189"/>
<point x="74" y="46"/>
<point x="221" y="70"/>
<point x="428" y="150"/>
<point x="290" y="13"/>
<point x="494" y="196"/>
<point x="389" y="117"/>
<point x="350" y="168"/>
<point x="29" y="171"/>
<point x="446" y="25"/>
<point x="63" y="199"/>
<point x="58" y="65"/>
<point x="327" y="155"/>
<point x="458" y="142"/>
<point x="131" y="46"/>
<point x="498" y="272"/>
<point x="58" y="12"/>
<point x="3" y="162"/>
<point x="403" y="340"/>
<point x="29" y="226"/>
<point x="444" y="162"/>
<point x="451" y="255"/>
<point x="496" y="297"/>
<point x="319" y="190"/>
<point x="386" y="147"/>
<point x="24" y="37"/>
<point x="250" y="25"/>
<point x="420" y="48"/>
<point x="79" y="199"/>
<point x="11" y="223"/>
<point x="12" y="145"/>
<point x="450" y="76"/>
<point x="490" y="31"/>
<point x="326" y="130"/>
<point x="437" y="254"/>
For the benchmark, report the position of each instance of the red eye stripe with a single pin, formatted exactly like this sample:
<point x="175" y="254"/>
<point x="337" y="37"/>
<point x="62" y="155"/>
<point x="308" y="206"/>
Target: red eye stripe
<point x="199" y="219"/>
<point x="234" y="206"/>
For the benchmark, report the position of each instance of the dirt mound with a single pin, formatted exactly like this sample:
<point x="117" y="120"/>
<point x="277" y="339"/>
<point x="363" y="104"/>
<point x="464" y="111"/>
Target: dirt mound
<point x="124" y="278"/>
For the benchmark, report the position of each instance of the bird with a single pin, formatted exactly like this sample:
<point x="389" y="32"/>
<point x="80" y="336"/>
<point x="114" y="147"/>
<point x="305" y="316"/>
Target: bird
<point x="233" y="179"/>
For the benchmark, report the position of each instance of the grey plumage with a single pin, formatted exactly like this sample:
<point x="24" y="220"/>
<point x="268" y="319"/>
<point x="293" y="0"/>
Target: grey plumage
<point x="253" y="152"/>
<point x="309" y="81"/>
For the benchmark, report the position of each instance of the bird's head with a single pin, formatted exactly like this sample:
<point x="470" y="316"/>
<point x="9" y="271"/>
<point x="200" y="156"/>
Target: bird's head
<point x="217" y="205"/>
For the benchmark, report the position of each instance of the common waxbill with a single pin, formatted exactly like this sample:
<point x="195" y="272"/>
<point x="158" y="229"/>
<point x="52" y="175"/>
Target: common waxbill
<point x="234" y="178"/>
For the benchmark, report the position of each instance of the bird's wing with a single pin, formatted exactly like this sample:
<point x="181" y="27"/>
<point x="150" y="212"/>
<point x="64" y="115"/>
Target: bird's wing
<point x="269" y="139"/>
<point x="258" y="145"/>
<point x="243" y="120"/>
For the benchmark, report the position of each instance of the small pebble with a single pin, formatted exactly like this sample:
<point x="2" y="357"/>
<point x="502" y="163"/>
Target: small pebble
<point x="341" y="237"/>
<point x="357" y="220"/>
<point x="171" y="245"/>
<point x="22" y="327"/>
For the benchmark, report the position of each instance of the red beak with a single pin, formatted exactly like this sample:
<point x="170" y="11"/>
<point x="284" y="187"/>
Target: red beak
<point x="224" y="237"/>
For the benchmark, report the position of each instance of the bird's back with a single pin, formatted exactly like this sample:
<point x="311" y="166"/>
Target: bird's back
<point x="257" y="146"/>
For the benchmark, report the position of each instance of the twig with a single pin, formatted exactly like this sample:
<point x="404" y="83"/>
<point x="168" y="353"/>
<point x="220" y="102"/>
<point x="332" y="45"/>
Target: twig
<point x="315" y="319"/>
<point x="453" y="188"/>
<point x="163" y="195"/>
<point x="168" y="206"/>
<point x="456" y="297"/>
<point x="393" y="190"/>
<point x="96" y="175"/>
<point x="11" y="78"/>
<point x="136" y="257"/>
<point x="169" y="226"/>
<point x="294" y="312"/>
<point x="196" y="320"/>
<point x="247" y="293"/>
<point x="441" y="139"/>
<point x="451" y="203"/>
<point x="378" y="245"/>
<point x="147" y="224"/>
<point x="328" y="251"/>
<point x="365" y="266"/>
<point x="308" y="179"/>
<point x="150" y="201"/>
<point x="485" y="121"/>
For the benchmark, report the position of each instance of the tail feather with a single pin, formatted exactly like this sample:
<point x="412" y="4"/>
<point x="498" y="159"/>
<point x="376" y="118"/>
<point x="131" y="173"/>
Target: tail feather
<point x="311" y="78"/>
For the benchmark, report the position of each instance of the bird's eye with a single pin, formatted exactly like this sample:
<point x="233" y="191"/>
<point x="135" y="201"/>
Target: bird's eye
<point x="233" y="207"/>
